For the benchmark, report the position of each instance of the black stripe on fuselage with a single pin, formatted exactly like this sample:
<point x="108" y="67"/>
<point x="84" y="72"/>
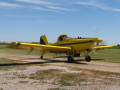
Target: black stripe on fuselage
<point x="73" y="43"/>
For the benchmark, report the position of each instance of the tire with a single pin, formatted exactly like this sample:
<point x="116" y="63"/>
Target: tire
<point x="88" y="58"/>
<point x="41" y="57"/>
<point x="70" y="59"/>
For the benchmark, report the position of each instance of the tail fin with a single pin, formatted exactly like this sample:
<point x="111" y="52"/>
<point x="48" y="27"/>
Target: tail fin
<point x="43" y="40"/>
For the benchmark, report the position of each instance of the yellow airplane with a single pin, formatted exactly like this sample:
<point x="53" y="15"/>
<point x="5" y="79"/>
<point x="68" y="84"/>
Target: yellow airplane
<point x="71" y="46"/>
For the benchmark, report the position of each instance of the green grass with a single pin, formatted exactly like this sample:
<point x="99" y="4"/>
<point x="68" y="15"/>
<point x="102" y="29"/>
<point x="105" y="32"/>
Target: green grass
<point x="19" y="51"/>
<point x="116" y="47"/>
<point x="108" y="55"/>
<point x="5" y="64"/>
<point x="4" y="43"/>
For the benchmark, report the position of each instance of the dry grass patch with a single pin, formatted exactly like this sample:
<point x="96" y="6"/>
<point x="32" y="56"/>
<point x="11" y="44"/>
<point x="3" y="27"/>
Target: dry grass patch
<point x="22" y="76"/>
<point x="45" y="74"/>
<point x="56" y="89"/>
<point x="87" y="77"/>
<point x="23" y="82"/>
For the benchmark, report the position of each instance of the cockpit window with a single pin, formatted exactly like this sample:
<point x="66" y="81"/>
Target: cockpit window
<point x="65" y="36"/>
<point x="61" y="39"/>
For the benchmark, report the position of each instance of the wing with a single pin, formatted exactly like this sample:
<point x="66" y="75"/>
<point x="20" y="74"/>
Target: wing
<point x="39" y="47"/>
<point x="102" y="47"/>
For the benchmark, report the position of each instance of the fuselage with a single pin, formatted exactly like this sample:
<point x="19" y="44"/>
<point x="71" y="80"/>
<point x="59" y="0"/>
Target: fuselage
<point x="78" y="44"/>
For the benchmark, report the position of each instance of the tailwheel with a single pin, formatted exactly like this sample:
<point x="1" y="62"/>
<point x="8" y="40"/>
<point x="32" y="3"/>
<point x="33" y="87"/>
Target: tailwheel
<point x="88" y="58"/>
<point x="70" y="59"/>
<point x="41" y="57"/>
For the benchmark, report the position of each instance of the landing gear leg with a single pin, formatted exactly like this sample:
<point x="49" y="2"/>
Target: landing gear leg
<point x="70" y="59"/>
<point x="41" y="55"/>
<point x="87" y="57"/>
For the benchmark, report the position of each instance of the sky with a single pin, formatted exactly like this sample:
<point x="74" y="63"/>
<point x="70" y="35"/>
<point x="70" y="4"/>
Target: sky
<point x="27" y="20"/>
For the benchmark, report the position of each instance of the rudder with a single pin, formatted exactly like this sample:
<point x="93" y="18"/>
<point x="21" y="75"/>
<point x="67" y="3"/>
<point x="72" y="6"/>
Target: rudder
<point x="43" y="40"/>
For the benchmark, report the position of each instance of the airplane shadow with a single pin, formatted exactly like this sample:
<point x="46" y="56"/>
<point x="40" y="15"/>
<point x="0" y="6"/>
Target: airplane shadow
<point x="97" y="59"/>
<point x="42" y="62"/>
<point x="75" y="62"/>
<point x="61" y="57"/>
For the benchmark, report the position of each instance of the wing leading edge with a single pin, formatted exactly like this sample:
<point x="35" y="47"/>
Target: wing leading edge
<point x="103" y="47"/>
<point x="39" y="47"/>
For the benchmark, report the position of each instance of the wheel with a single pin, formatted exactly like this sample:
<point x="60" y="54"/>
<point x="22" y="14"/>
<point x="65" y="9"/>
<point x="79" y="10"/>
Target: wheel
<point x="41" y="57"/>
<point x="70" y="59"/>
<point x="88" y="58"/>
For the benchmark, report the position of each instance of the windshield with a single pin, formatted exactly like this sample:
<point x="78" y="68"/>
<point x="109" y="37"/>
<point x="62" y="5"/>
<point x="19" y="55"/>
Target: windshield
<point x="65" y="36"/>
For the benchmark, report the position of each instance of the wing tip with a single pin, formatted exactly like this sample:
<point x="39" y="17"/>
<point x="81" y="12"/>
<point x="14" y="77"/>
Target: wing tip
<point x="13" y="44"/>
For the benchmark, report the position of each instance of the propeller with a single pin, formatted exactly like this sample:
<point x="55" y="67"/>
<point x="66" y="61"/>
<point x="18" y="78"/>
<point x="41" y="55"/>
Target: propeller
<point x="92" y="47"/>
<point x="103" y="43"/>
<point x="96" y="31"/>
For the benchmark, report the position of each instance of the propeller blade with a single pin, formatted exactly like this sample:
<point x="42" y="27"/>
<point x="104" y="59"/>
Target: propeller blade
<point x="94" y="45"/>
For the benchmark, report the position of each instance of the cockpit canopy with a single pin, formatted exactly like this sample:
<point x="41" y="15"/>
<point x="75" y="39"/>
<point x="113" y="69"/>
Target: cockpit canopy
<point x="62" y="37"/>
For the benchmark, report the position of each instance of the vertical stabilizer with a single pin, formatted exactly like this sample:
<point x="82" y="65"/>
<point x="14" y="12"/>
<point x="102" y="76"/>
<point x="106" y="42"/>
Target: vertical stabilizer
<point x="43" y="40"/>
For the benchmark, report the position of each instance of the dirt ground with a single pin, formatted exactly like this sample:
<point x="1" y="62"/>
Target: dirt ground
<point x="93" y="65"/>
<point x="3" y="45"/>
<point x="10" y="80"/>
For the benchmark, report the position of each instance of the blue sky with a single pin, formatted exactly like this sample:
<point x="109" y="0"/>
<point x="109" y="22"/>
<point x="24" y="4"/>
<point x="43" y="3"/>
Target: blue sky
<point x="27" y="20"/>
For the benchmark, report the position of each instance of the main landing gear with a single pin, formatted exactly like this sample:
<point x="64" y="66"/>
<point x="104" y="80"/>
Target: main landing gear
<point x="71" y="58"/>
<point x="87" y="57"/>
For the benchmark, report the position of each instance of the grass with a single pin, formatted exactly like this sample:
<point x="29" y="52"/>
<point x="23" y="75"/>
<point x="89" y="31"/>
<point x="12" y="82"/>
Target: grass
<point x="4" y="64"/>
<point x="7" y="64"/>
<point x="44" y="74"/>
<point x="116" y="47"/>
<point x="87" y="77"/>
<point x="22" y="76"/>
<point x="108" y="55"/>
<point x="19" y="51"/>
<point x="7" y="61"/>
<point x="23" y="82"/>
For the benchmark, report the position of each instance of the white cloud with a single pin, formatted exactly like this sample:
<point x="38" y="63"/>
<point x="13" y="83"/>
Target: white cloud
<point x="40" y="2"/>
<point x="4" y="4"/>
<point x="58" y="8"/>
<point x="38" y="8"/>
<point x="92" y="3"/>
<point x="49" y="6"/>
<point x="44" y="9"/>
<point x="116" y="10"/>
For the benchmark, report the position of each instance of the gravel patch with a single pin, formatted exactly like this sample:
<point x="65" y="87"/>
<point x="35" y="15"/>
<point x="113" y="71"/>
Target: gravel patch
<point x="18" y="79"/>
